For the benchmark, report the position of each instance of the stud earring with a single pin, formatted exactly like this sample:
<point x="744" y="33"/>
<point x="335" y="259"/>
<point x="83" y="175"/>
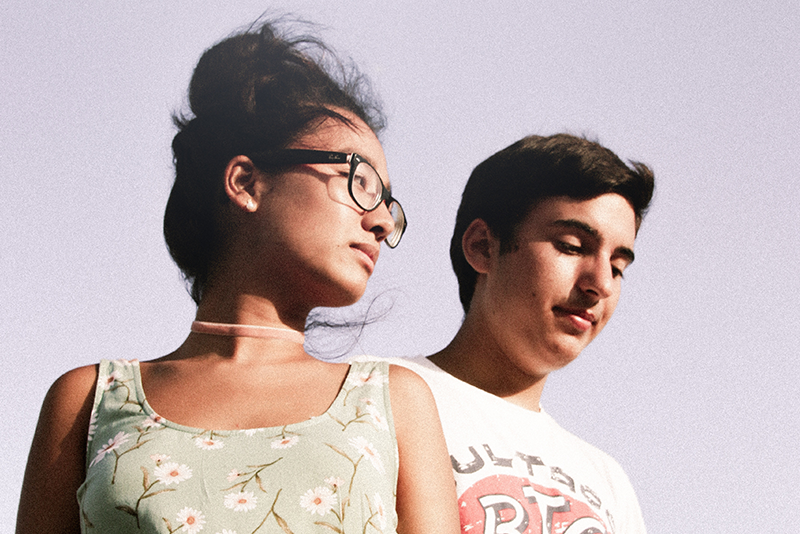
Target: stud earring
<point x="250" y="206"/>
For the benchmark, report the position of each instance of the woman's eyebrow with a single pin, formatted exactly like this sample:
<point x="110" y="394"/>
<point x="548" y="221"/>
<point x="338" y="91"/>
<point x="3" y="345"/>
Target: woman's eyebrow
<point x="624" y="252"/>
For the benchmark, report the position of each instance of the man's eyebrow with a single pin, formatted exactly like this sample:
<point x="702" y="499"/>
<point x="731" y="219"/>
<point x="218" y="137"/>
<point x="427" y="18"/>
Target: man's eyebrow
<point x="625" y="252"/>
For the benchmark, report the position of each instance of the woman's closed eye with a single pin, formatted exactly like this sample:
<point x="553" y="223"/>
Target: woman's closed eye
<point x="360" y="182"/>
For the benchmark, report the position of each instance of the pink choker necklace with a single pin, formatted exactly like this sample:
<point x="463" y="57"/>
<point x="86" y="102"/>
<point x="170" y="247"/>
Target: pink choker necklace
<point x="246" y="330"/>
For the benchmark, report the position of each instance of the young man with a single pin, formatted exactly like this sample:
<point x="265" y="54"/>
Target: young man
<point x="544" y="232"/>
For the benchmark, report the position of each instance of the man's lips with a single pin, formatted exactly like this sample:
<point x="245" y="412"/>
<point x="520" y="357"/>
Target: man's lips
<point x="581" y="318"/>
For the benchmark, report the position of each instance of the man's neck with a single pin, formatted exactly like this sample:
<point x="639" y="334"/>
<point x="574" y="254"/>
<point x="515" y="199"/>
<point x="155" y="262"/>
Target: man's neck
<point x="474" y="357"/>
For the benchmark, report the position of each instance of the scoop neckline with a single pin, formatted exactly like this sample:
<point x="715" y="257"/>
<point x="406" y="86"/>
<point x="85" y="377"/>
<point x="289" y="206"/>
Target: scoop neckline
<point x="155" y="416"/>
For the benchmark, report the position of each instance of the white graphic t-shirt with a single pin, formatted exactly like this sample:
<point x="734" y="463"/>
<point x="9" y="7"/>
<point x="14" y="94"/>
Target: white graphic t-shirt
<point x="518" y="472"/>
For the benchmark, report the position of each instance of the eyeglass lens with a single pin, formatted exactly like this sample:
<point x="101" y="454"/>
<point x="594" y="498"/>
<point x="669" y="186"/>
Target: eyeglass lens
<point x="399" y="224"/>
<point x="366" y="188"/>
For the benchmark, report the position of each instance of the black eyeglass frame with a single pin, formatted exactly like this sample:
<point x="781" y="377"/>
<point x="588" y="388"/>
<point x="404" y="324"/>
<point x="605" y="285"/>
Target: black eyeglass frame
<point x="304" y="156"/>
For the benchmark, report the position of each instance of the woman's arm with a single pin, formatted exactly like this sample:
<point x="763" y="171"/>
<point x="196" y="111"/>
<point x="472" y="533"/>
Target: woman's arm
<point x="426" y="491"/>
<point x="57" y="460"/>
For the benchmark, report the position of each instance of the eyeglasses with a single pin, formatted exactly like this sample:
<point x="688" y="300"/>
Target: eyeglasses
<point x="363" y="182"/>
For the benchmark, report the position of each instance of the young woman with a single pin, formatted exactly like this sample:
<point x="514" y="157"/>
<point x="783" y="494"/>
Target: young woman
<point x="280" y="203"/>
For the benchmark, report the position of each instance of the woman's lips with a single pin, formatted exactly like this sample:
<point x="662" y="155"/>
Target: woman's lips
<point x="369" y="252"/>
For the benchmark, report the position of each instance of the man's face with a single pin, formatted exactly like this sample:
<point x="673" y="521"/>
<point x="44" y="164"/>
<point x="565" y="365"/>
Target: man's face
<point x="549" y="297"/>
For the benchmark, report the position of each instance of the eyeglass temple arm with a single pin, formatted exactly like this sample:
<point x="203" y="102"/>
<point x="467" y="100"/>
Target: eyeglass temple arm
<point x="297" y="156"/>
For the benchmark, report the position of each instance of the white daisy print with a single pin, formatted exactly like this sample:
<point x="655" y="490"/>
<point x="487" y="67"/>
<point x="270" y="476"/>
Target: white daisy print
<point x="159" y="458"/>
<point x="209" y="444"/>
<point x="334" y="482"/>
<point x="92" y="425"/>
<point x="372" y="378"/>
<point x="252" y="431"/>
<point x="191" y="520"/>
<point x="367" y="449"/>
<point x="244" y="501"/>
<point x="380" y="511"/>
<point x="377" y="418"/>
<point x="285" y="442"/>
<point x="109" y="380"/>
<point x="171" y="472"/>
<point x="114" y="443"/>
<point x="153" y="421"/>
<point x="320" y="500"/>
<point x="233" y="475"/>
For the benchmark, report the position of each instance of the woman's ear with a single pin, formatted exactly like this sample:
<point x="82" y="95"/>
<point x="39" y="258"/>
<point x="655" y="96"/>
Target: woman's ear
<point x="479" y="246"/>
<point x="240" y="183"/>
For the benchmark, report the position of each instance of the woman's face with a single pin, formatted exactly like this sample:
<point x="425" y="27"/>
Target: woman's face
<point x="317" y="247"/>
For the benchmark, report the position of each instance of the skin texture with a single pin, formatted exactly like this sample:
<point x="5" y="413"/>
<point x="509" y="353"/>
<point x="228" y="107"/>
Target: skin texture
<point x="537" y="307"/>
<point x="294" y="241"/>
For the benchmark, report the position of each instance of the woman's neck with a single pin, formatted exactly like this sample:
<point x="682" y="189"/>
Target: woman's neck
<point x="232" y="306"/>
<point x="247" y="330"/>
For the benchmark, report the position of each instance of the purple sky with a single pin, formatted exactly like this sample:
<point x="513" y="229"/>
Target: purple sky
<point x="693" y="386"/>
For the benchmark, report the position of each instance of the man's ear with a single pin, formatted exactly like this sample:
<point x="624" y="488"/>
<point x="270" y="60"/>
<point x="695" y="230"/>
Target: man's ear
<point x="479" y="246"/>
<point x="240" y="183"/>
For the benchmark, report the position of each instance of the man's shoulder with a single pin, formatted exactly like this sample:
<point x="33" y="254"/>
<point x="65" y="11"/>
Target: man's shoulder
<point x="580" y="448"/>
<point x="457" y="399"/>
<point x="419" y="364"/>
<point x="443" y="385"/>
<point x="415" y="363"/>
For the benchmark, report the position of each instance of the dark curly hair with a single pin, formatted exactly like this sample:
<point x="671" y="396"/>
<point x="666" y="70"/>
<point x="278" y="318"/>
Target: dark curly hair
<point x="503" y="189"/>
<point x="255" y="91"/>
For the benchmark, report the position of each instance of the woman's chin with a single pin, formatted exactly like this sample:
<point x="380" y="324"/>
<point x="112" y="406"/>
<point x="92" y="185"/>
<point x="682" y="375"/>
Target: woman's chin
<point x="345" y="295"/>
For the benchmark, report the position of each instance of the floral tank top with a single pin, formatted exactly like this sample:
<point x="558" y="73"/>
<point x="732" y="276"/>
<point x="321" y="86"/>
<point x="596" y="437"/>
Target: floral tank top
<point x="334" y="473"/>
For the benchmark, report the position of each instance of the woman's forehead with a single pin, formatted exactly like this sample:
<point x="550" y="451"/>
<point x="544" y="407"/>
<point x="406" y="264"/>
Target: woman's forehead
<point x="338" y="136"/>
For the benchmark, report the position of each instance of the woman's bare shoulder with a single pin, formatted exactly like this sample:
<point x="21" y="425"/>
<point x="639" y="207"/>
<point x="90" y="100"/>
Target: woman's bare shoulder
<point x="74" y="386"/>
<point x="56" y="462"/>
<point x="409" y="389"/>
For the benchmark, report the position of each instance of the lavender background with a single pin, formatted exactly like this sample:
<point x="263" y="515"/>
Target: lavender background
<point x="693" y="386"/>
